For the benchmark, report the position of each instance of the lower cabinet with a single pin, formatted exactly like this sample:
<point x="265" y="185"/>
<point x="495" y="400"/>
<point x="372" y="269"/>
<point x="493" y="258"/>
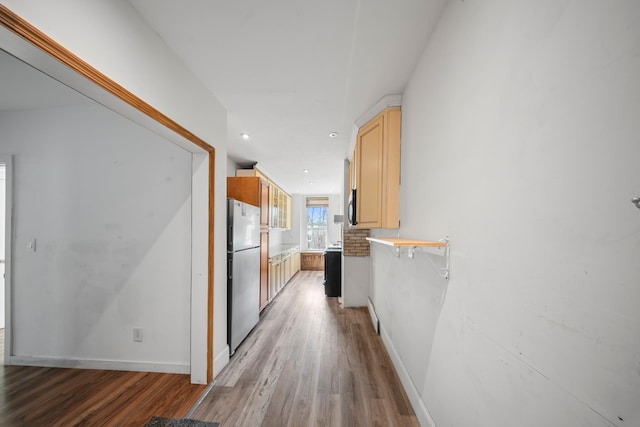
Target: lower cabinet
<point x="282" y="268"/>
<point x="313" y="261"/>
<point x="274" y="279"/>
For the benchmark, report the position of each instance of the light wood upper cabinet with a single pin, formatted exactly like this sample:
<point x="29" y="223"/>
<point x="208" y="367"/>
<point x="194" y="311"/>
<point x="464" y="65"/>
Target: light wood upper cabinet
<point x="376" y="171"/>
<point x="279" y="202"/>
<point x="280" y="206"/>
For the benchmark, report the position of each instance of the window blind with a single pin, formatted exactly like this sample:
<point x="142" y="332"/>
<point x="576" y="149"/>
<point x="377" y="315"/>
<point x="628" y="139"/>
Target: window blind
<point x="320" y="202"/>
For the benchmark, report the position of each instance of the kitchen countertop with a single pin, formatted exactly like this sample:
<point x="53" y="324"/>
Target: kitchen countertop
<point x="279" y="249"/>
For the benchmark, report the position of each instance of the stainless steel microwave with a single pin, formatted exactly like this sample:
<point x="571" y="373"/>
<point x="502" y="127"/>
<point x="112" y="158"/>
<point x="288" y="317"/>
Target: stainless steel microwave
<point x="351" y="208"/>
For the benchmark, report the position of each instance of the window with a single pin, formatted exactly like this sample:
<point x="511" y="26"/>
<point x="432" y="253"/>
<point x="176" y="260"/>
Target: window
<point x="317" y="222"/>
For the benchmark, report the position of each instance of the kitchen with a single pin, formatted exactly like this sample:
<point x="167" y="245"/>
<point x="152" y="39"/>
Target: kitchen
<point x="284" y="235"/>
<point x="503" y="131"/>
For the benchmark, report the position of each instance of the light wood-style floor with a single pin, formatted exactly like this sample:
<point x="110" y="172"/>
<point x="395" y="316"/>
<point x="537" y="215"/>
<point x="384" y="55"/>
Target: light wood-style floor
<point x="309" y="362"/>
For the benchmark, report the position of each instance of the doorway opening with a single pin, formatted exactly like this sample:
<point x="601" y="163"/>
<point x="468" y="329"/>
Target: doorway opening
<point x="27" y="43"/>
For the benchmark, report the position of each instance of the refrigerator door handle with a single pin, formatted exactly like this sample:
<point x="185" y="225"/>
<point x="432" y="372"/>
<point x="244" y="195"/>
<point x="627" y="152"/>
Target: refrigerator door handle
<point x="230" y="268"/>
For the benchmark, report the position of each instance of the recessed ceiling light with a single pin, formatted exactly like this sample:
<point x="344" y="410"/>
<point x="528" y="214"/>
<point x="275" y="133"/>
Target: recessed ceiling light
<point x="306" y="171"/>
<point x="244" y="136"/>
<point x="311" y="182"/>
<point x="333" y="134"/>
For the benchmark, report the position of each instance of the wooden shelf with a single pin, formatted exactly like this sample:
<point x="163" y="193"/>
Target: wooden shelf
<point x="398" y="242"/>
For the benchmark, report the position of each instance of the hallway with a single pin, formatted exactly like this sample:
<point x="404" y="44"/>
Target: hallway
<point x="309" y="362"/>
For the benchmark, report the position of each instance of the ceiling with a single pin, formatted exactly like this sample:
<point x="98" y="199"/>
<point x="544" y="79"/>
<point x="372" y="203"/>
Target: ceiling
<point x="290" y="72"/>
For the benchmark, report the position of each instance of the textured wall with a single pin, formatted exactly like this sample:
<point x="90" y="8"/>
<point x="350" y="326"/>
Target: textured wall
<point x="520" y="142"/>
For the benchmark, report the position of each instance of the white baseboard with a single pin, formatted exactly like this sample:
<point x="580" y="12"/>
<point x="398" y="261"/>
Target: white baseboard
<point x="108" y="365"/>
<point x="374" y="316"/>
<point x="220" y="361"/>
<point x="424" y="417"/>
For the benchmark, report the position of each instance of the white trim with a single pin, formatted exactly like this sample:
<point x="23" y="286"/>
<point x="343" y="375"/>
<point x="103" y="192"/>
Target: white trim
<point x="220" y="361"/>
<point x="110" y="365"/>
<point x="7" y="161"/>
<point x="386" y="102"/>
<point x="199" y="266"/>
<point x="424" y="417"/>
<point x="374" y="316"/>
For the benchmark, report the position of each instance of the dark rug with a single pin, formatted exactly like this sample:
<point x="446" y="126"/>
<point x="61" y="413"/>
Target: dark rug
<point x="178" y="422"/>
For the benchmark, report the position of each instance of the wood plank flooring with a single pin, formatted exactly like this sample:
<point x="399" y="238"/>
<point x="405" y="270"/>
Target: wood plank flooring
<point x="309" y="362"/>
<point x="72" y="397"/>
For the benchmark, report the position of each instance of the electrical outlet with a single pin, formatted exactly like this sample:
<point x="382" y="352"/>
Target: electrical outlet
<point x="137" y="335"/>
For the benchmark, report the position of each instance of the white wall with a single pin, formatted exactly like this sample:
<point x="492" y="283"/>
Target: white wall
<point x="110" y="36"/>
<point x="520" y="142"/>
<point x="108" y="204"/>
<point x="231" y="167"/>
<point x="356" y="280"/>
<point x="334" y="231"/>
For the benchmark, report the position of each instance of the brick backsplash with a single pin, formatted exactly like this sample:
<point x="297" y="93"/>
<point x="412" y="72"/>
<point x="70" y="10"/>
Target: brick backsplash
<point x="354" y="242"/>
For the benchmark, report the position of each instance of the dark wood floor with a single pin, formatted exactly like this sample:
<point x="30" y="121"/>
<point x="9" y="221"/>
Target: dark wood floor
<point x="309" y="362"/>
<point x="69" y="397"/>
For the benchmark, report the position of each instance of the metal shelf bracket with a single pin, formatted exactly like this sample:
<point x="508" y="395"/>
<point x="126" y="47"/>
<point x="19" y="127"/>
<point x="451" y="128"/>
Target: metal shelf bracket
<point x="445" y="271"/>
<point x="396" y="244"/>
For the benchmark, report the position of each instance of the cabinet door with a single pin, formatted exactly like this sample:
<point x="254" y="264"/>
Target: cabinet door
<point x="280" y="209"/>
<point x="285" y="212"/>
<point x="306" y="261"/>
<point x="264" y="269"/>
<point x="264" y="204"/>
<point x="273" y="205"/>
<point x="273" y="277"/>
<point x="285" y="270"/>
<point x="391" y="173"/>
<point x="369" y="170"/>
<point x="245" y="189"/>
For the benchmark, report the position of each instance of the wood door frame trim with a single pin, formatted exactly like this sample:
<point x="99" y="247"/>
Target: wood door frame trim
<point x="23" y="29"/>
